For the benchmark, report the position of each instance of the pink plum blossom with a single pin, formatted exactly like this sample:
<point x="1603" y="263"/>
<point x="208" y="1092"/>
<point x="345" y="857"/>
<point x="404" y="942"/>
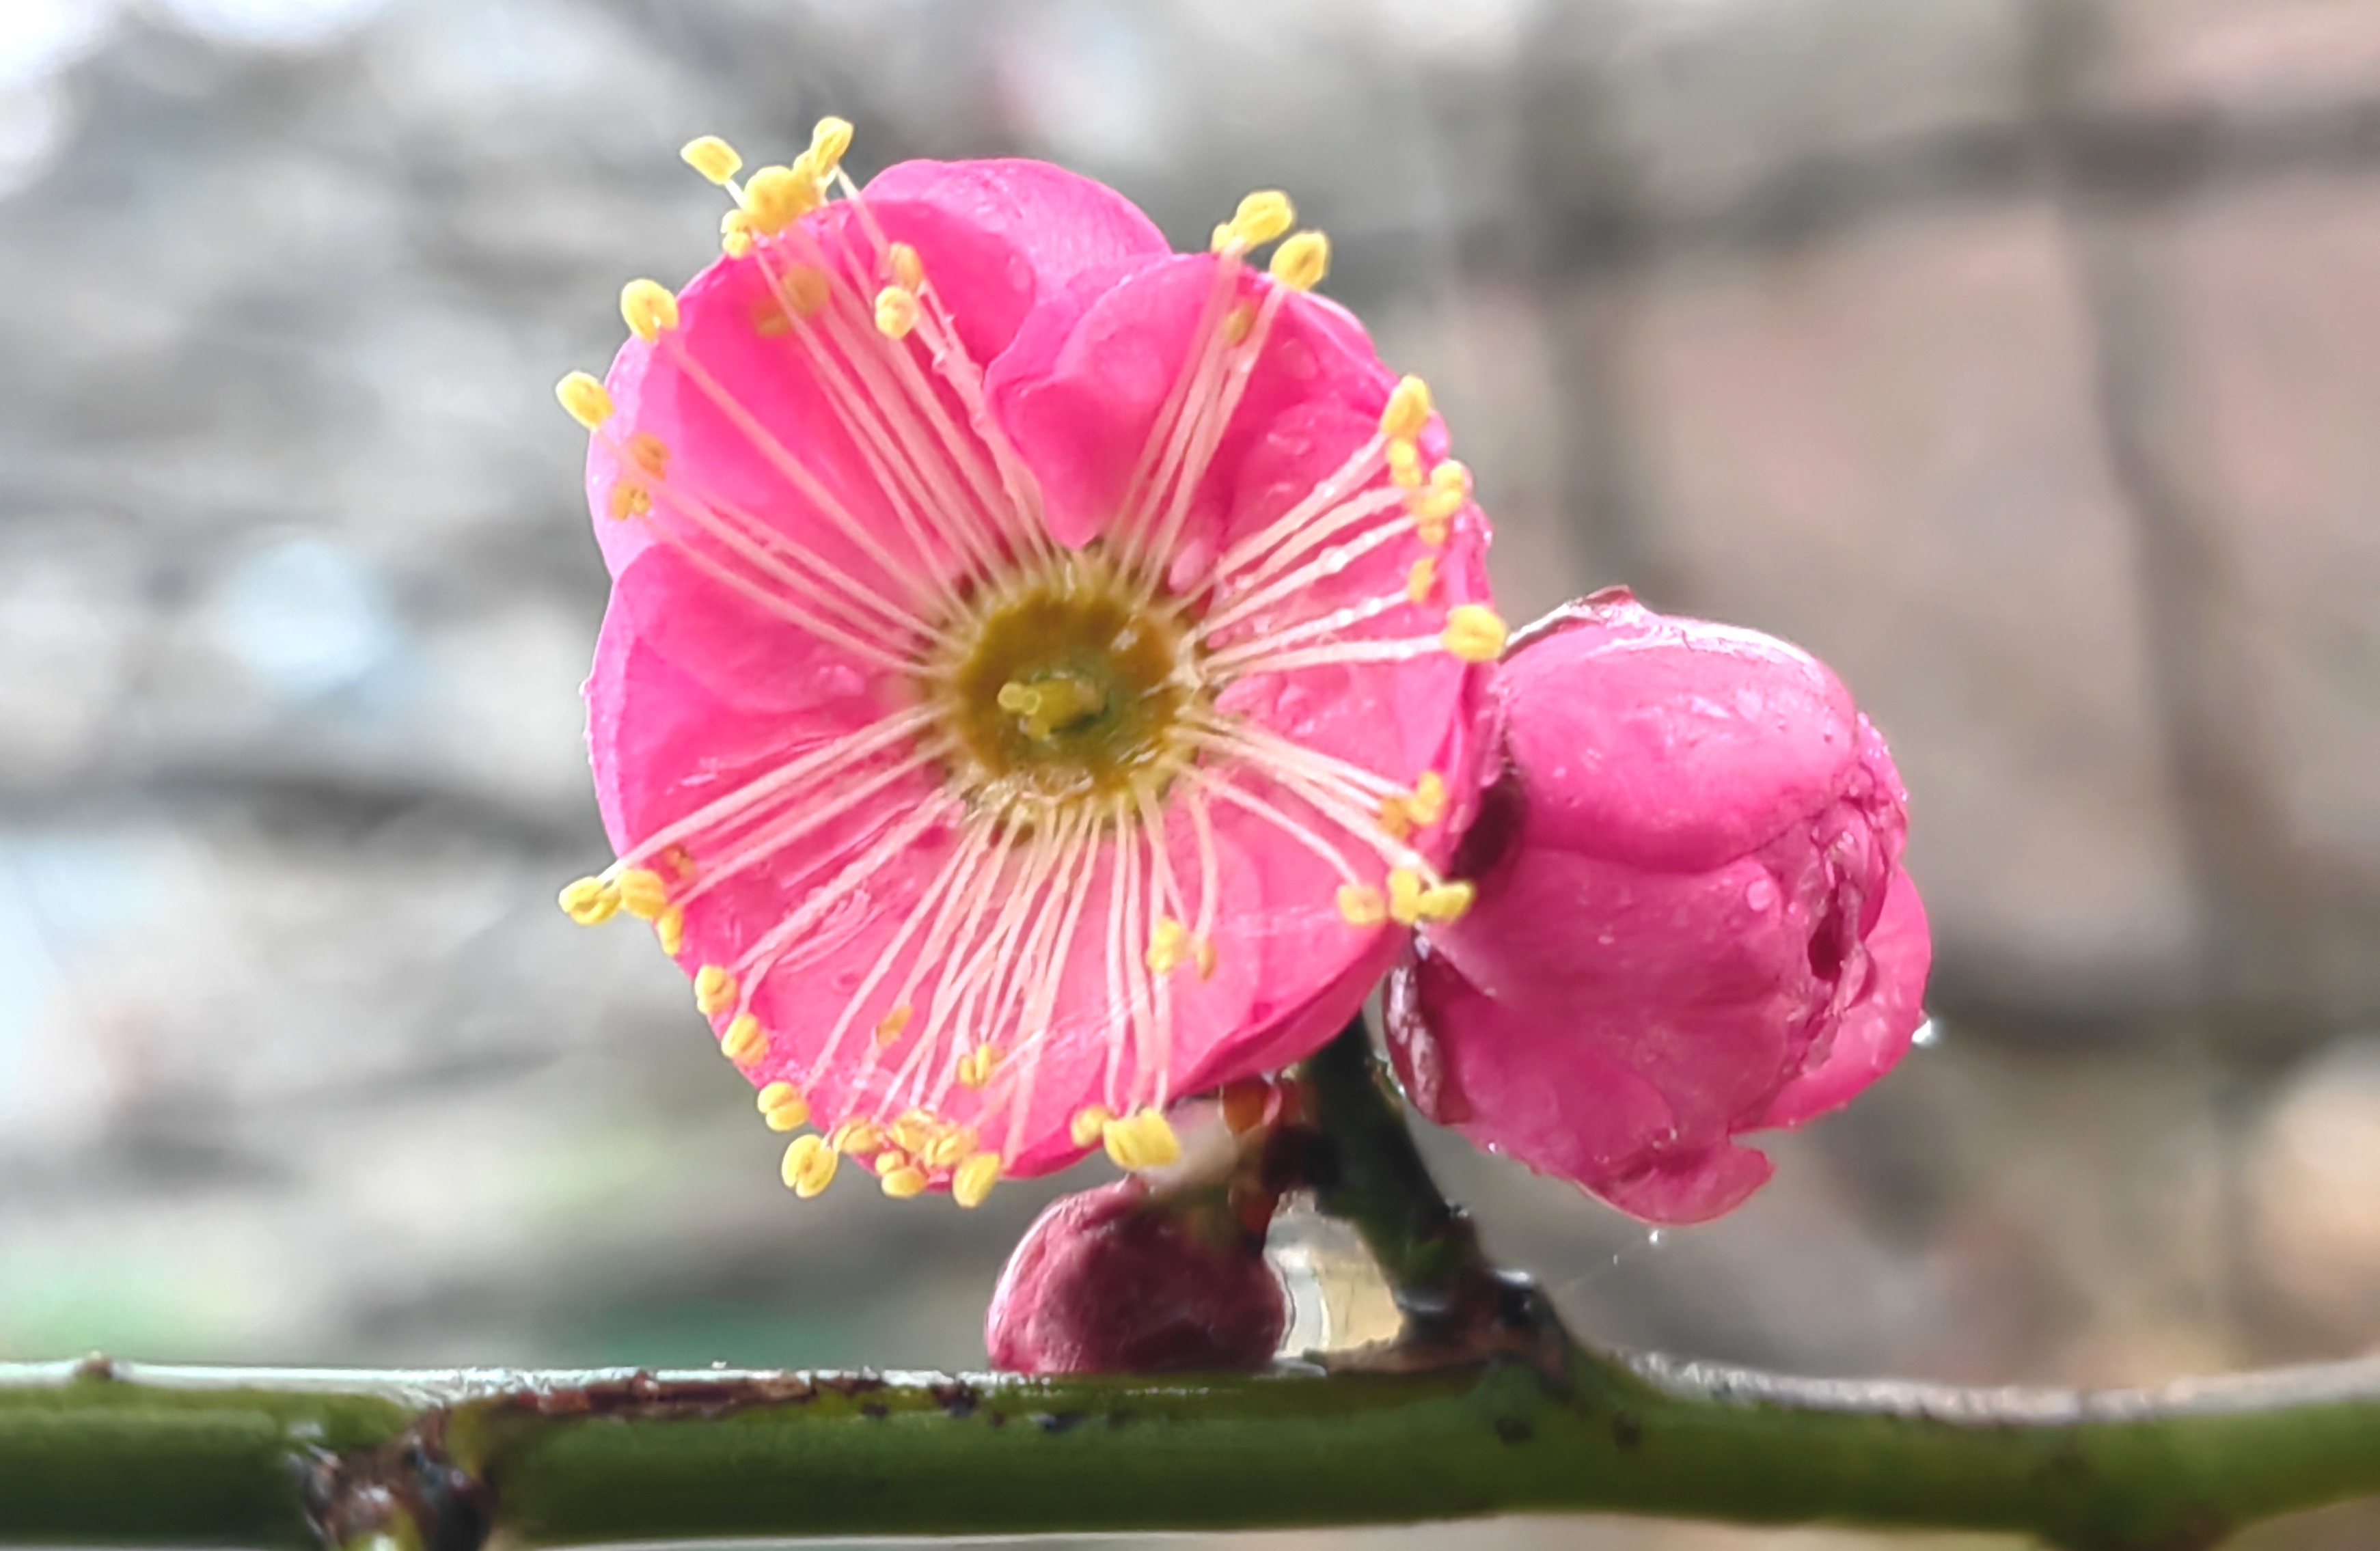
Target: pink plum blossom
<point x="1117" y="1280"/>
<point x="1692" y="918"/>
<point x="1041" y="670"/>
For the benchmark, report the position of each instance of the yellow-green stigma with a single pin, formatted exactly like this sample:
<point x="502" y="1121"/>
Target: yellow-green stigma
<point x="1066" y="685"/>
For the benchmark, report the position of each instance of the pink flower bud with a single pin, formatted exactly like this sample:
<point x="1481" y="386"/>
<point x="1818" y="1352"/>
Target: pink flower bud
<point x="1691" y="920"/>
<point x="1118" y="1280"/>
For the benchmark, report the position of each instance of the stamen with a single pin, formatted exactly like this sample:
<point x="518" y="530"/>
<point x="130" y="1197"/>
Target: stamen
<point x="1302" y="261"/>
<point x="669" y="928"/>
<point x="1360" y="905"/>
<point x="1419" y="579"/>
<point x="713" y="157"/>
<point x="908" y="269"/>
<point x="1447" y="902"/>
<point x="904" y="1182"/>
<point x="890" y="1026"/>
<point x="1408" y="410"/>
<point x="744" y="1042"/>
<point x="590" y="902"/>
<point x="1473" y="632"/>
<point x="781" y="1105"/>
<point x="1089" y="1124"/>
<point x="975" y="1068"/>
<point x="589" y="401"/>
<point x="830" y="138"/>
<point x="1405" y="896"/>
<point x="897" y="311"/>
<point x="1262" y="217"/>
<point x="647" y="307"/>
<point x="1141" y="1141"/>
<point x="642" y="893"/>
<point x="974" y="1179"/>
<point x="809" y="1166"/>
<point x="714" y="990"/>
<point x="774" y="198"/>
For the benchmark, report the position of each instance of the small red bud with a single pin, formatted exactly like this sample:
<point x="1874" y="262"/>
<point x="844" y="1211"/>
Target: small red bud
<point x="1118" y="1280"/>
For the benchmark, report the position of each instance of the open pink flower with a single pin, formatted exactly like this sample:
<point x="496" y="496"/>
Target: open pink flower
<point x="1040" y="666"/>
<point x="1691" y="920"/>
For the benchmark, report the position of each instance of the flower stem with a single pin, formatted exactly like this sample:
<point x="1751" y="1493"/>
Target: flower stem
<point x="1361" y="1162"/>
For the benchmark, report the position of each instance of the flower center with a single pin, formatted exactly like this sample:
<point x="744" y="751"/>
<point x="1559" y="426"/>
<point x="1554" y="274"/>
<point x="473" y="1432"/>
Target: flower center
<point x="1064" y="684"/>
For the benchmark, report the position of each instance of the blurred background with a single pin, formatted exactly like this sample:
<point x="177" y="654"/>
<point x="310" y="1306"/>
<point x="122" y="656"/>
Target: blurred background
<point x="2020" y="357"/>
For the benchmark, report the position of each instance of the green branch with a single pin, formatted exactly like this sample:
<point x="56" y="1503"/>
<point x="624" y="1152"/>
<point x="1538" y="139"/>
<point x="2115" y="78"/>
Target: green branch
<point x="139" y="1456"/>
<point x="1485" y="1407"/>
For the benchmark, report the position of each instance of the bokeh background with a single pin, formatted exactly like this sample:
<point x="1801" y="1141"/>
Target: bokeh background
<point x="2021" y="358"/>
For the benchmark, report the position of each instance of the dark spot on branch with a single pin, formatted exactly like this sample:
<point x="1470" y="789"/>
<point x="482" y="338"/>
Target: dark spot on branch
<point x="1626" y="1431"/>
<point x="851" y="1386"/>
<point x="1059" y="1422"/>
<point x="1514" y="1429"/>
<point x="874" y="1411"/>
<point x="957" y="1400"/>
<point x="407" y="1489"/>
<point x="998" y="1419"/>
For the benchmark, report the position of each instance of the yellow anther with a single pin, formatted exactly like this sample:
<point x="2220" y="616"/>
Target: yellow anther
<point x="628" y="499"/>
<point x="829" y="137"/>
<point x="945" y="1150"/>
<point x="669" y="927"/>
<point x="1447" y="902"/>
<point x="713" y="157"/>
<point x="589" y="401"/>
<point x="789" y="1112"/>
<point x="1169" y="945"/>
<point x="913" y="1131"/>
<point x="642" y="893"/>
<point x="744" y="1042"/>
<point x="1205" y="955"/>
<point x="974" y="1067"/>
<point x="1141" y="1141"/>
<point x="736" y="233"/>
<point x="857" y="1137"/>
<point x="1262" y="217"/>
<point x="974" y="1179"/>
<point x="590" y="902"/>
<point x="679" y="860"/>
<point x="1408" y="409"/>
<point x="1418" y="579"/>
<point x="775" y="1094"/>
<point x="1238" y="324"/>
<point x="1302" y="261"/>
<point x="1362" y="905"/>
<point x="1223" y="238"/>
<point x="714" y="990"/>
<point x="1089" y="1124"/>
<point x="1436" y="508"/>
<point x="903" y="1183"/>
<point x="1427" y="803"/>
<point x="1405" y="896"/>
<point x="809" y="1166"/>
<point x="890" y="1026"/>
<point x="1404" y="463"/>
<point x="648" y="452"/>
<point x="1451" y="475"/>
<point x="908" y="270"/>
<point x="1473" y="632"/>
<point x="804" y="290"/>
<point x="1396" y="819"/>
<point x="1431" y="530"/>
<point x="774" y="198"/>
<point x="897" y="311"/>
<point x="890" y="1159"/>
<point x="647" y="307"/>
